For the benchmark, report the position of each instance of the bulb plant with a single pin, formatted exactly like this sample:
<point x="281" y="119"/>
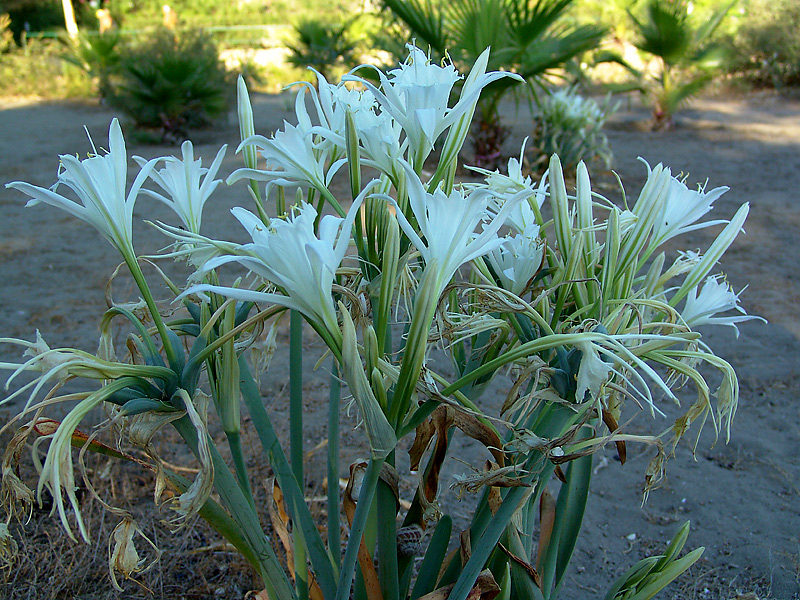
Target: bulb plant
<point x="575" y="296"/>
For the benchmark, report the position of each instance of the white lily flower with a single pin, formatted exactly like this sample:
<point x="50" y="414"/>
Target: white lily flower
<point x="291" y="159"/>
<point x="715" y="297"/>
<point x="379" y="135"/>
<point x="332" y="103"/>
<point x="518" y="259"/>
<point x="448" y="224"/>
<point x="416" y="95"/>
<point x="181" y="180"/>
<point x="681" y="210"/>
<point x="289" y="255"/>
<point x="99" y="182"/>
<point x="506" y="186"/>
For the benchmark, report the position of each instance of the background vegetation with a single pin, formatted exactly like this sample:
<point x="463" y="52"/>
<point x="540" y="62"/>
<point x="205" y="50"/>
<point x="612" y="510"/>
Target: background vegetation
<point x="266" y="39"/>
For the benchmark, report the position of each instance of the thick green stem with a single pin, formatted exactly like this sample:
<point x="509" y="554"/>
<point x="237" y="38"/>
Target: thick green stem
<point x="296" y="438"/>
<point x="368" y="486"/>
<point x="141" y="283"/>
<point x="334" y="537"/>
<point x="243" y="514"/>
<point x="235" y="445"/>
<point x="304" y="524"/>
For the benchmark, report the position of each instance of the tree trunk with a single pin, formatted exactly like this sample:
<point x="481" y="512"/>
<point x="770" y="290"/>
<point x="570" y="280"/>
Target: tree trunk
<point x="69" y="18"/>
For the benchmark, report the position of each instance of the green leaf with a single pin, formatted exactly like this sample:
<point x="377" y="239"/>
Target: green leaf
<point x="304" y="522"/>
<point x="433" y="559"/>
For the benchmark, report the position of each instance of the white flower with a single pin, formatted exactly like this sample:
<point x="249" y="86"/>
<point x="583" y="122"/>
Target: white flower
<point x="448" y="224"/>
<point x="181" y="180"/>
<point x="99" y="182"/>
<point x="682" y="208"/>
<point x="518" y="259"/>
<point x="379" y="135"/>
<point x="715" y="297"/>
<point x="289" y="255"/>
<point x="506" y="186"/>
<point x="592" y="373"/>
<point x="332" y="103"/>
<point x="291" y="159"/>
<point x="570" y="110"/>
<point x="416" y="96"/>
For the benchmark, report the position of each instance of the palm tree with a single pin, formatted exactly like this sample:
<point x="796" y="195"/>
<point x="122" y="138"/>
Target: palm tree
<point x="684" y="53"/>
<point x="528" y="37"/>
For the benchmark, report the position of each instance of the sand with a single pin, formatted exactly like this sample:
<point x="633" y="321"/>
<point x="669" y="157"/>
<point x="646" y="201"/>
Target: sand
<point x="742" y="497"/>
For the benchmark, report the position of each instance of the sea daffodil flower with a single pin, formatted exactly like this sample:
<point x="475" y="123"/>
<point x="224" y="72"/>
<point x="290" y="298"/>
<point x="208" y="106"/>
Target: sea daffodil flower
<point x="416" y="96"/>
<point x="715" y="297"/>
<point x="518" y="259"/>
<point x="291" y="159"/>
<point x="682" y="209"/>
<point x="187" y="184"/>
<point x="99" y="182"/>
<point x="332" y="103"/>
<point x="448" y="223"/>
<point x="289" y="255"/>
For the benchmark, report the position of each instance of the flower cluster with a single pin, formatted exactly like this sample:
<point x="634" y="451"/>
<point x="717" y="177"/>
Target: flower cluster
<point x="575" y="293"/>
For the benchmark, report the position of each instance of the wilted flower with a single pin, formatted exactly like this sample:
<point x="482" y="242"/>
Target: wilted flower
<point x="592" y="373"/>
<point x="123" y="557"/>
<point x="99" y="182"/>
<point x="715" y="297"/>
<point x="8" y="547"/>
<point x="181" y="180"/>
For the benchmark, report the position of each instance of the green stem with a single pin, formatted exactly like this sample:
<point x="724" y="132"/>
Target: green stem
<point x="141" y="283"/>
<point x="235" y="445"/>
<point x="296" y="437"/>
<point x="304" y="524"/>
<point x="334" y="537"/>
<point x="368" y="486"/>
<point x="242" y="512"/>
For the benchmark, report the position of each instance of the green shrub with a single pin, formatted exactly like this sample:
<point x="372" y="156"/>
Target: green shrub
<point x="323" y="45"/>
<point x="685" y="50"/>
<point x="572" y="127"/>
<point x="172" y="82"/>
<point x="98" y="55"/>
<point x="766" y="47"/>
<point x="39" y="70"/>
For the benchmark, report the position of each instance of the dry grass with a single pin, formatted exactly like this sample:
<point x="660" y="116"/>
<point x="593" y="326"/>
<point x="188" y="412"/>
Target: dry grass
<point x="195" y="563"/>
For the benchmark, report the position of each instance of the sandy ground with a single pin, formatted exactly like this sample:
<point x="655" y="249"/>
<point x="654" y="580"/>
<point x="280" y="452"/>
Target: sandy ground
<point x="742" y="497"/>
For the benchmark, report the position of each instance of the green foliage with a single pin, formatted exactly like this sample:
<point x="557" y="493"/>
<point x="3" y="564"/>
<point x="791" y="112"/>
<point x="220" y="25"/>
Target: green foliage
<point x="6" y="36"/>
<point x="172" y="82"/>
<point x="99" y="56"/>
<point x="685" y="52"/>
<point x="766" y="46"/>
<point x="652" y="574"/>
<point x="45" y="15"/>
<point x="529" y="38"/>
<point x="214" y="13"/>
<point x="38" y="69"/>
<point x="323" y="45"/>
<point x="572" y="127"/>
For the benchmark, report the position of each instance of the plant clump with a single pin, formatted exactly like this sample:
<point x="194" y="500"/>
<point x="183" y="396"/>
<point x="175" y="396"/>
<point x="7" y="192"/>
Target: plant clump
<point x="581" y="299"/>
